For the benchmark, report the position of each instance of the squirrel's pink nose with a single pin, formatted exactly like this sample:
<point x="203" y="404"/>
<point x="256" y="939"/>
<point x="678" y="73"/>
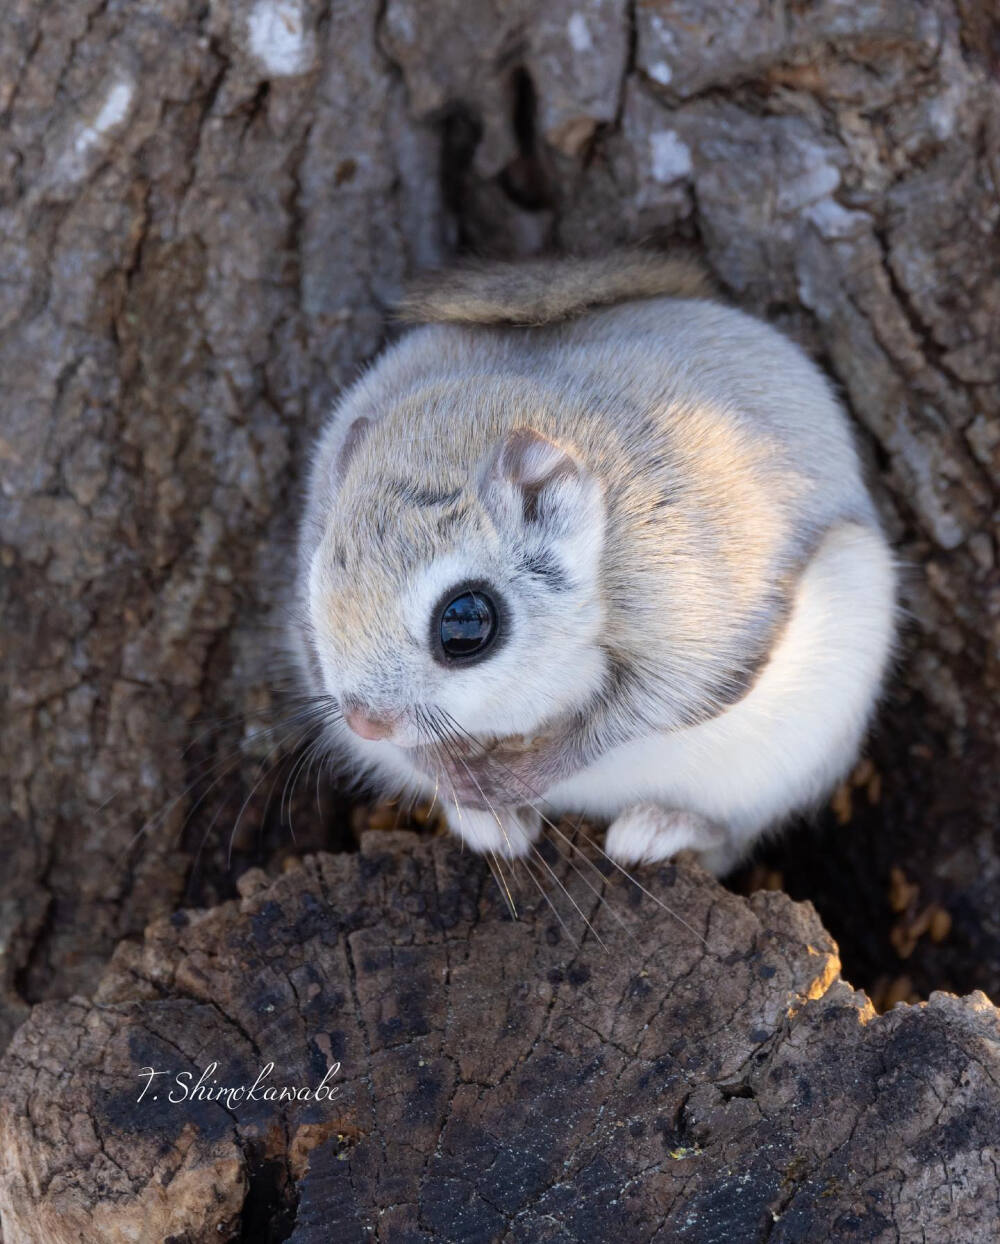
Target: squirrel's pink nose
<point x="367" y="725"/>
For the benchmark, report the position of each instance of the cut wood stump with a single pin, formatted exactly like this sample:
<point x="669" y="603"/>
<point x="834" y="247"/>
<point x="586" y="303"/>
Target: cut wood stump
<point x="704" y="1075"/>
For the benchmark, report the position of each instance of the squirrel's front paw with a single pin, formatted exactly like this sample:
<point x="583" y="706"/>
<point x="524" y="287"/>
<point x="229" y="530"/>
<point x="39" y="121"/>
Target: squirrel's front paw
<point x="647" y="833"/>
<point x="508" y="831"/>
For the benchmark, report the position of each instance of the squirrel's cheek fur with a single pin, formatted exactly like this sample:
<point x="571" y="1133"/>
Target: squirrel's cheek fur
<point x="377" y="647"/>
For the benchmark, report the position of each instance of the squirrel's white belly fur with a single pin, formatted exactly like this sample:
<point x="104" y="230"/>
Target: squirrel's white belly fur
<point x="777" y="750"/>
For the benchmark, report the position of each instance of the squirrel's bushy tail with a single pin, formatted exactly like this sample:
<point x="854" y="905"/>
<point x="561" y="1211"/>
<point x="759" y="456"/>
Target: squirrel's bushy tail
<point x="541" y="291"/>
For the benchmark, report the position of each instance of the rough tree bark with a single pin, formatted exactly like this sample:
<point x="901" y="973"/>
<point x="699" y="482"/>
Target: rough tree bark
<point x="712" y="1080"/>
<point x="205" y="210"/>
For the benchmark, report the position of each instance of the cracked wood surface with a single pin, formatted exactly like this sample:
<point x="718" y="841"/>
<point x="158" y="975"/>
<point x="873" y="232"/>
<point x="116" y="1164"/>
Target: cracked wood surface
<point x="708" y="1080"/>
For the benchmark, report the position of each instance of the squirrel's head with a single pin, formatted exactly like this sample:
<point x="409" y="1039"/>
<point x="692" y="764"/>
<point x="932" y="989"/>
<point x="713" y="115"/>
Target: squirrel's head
<point x="452" y="582"/>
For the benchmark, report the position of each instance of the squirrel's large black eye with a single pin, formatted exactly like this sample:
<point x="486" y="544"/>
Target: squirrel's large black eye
<point x="468" y="625"/>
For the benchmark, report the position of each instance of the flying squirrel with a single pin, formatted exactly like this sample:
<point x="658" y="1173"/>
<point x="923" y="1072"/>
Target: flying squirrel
<point x="588" y="540"/>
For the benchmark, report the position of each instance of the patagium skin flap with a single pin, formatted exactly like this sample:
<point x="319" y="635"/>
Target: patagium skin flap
<point x="590" y="541"/>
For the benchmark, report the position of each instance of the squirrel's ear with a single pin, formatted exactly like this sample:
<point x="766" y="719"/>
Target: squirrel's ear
<point x="529" y="478"/>
<point x="353" y="437"/>
<point x="525" y="465"/>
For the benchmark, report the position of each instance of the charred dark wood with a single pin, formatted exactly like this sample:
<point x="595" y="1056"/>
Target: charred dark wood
<point x="701" y="1076"/>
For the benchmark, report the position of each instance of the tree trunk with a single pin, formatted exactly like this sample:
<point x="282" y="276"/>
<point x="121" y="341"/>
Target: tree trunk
<point x="205" y="212"/>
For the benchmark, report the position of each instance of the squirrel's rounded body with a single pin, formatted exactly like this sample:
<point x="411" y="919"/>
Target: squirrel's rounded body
<point x="693" y="599"/>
